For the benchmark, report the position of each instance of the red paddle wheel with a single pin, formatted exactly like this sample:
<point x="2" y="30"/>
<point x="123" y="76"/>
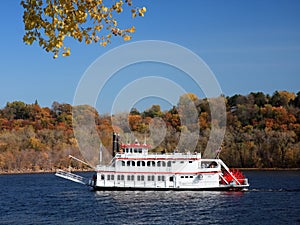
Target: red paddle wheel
<point x="234" y="173"/>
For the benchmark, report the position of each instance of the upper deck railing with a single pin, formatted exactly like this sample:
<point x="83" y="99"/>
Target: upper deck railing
<point x="167" y="156"/>
<point x="161" y="163"/>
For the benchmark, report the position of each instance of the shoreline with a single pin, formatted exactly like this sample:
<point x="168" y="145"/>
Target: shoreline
<point x="90" y="170"/>
<point x="16" y="172"/>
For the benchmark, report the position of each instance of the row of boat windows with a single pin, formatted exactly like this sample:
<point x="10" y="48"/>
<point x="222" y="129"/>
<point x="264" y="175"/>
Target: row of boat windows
<point x="149" y="163"/>
<point x="133" y="177"/>
<point x="133" y="150"/>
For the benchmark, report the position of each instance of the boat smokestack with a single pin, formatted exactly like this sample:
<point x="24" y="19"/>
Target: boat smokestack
<point x="115" y="144"/>
<point x="118" y="143"/>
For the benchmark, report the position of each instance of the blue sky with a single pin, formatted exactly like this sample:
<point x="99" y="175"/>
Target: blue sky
<point x="249" y="45"/>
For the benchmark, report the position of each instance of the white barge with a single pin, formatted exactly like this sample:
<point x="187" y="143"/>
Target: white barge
<point x="134" y="168"/>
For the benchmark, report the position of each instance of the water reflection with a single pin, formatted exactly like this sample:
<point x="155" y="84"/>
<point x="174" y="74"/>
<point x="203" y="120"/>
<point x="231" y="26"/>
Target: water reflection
<point x="192" y="207"/>
<point x="132" y="196"/>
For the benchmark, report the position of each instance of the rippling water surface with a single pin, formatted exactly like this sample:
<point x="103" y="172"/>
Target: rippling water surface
<point x="273" y="198"/>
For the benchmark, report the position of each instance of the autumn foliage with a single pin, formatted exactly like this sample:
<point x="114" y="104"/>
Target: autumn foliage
<point x="49" y="22"/>
<point x="262" y="131"/>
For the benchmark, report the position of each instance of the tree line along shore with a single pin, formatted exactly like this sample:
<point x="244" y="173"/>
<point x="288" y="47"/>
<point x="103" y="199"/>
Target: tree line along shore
<point x="82" y="170"/>
<point x="262" y="132"/>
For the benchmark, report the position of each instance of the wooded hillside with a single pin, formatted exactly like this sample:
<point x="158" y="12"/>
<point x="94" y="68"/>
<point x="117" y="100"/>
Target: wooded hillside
<point x="262" y="131"/>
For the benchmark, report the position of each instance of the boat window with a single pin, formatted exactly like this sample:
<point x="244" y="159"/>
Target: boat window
<point x="118" y="177"/>
<point x="110" y="177"/>
<point x="123" y="163"/>
<point x="213" y="164"/>
<point x="130" y="150"/>
<point x="133" y="163"/>
<point x="181" y="176"/>
<point x="181" y="161"/>
<point x="204" y="165"/>
<point x="169" y="163"/>
<point x="150" y="163"/>
<point x="142" y="178"/>
<point x="140" y="163"/>
<point x="186" y="176"/>
<point x="122" y="177"/>
<point x="140" y="150"/>
<point x="151" y="178"/>
<point x="171" y="179"/>
<point x="153" y="163"/>
<point x="102" y="177"/>
<point x="163" y="163"/>
<point x="138" y="178"/>
<point x="161" y="178"/>
<point x="130" y="177"/>
<point x="191" y="176"/>
<point x="190" y="161"/>
<point x="159" y="163"/>
<point x="128" y="163"/>
<point x="143" y="163"/>
<point x="135" y="150"/>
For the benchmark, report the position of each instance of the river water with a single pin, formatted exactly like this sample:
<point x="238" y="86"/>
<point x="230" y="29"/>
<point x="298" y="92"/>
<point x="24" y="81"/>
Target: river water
<point x="273" y="198"/>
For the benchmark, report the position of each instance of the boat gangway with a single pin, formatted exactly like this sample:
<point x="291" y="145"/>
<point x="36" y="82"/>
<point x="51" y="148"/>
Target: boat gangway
<point x="71" y="176"/>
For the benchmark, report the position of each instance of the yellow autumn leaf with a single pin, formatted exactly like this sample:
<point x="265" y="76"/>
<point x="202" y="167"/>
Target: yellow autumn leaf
<point x="141" y="13"/>
<point x="144" y="9"/>
<point x="126" y="38"/>
<point x="131" y="30"/>
<point x="104" y="43"/>
<point x="119" y="10"/>
<point x="104" y="9"/>
<point x="66" y="54"/>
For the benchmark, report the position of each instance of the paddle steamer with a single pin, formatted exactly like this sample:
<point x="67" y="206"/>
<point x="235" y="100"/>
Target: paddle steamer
<point x="134" y="168"/>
